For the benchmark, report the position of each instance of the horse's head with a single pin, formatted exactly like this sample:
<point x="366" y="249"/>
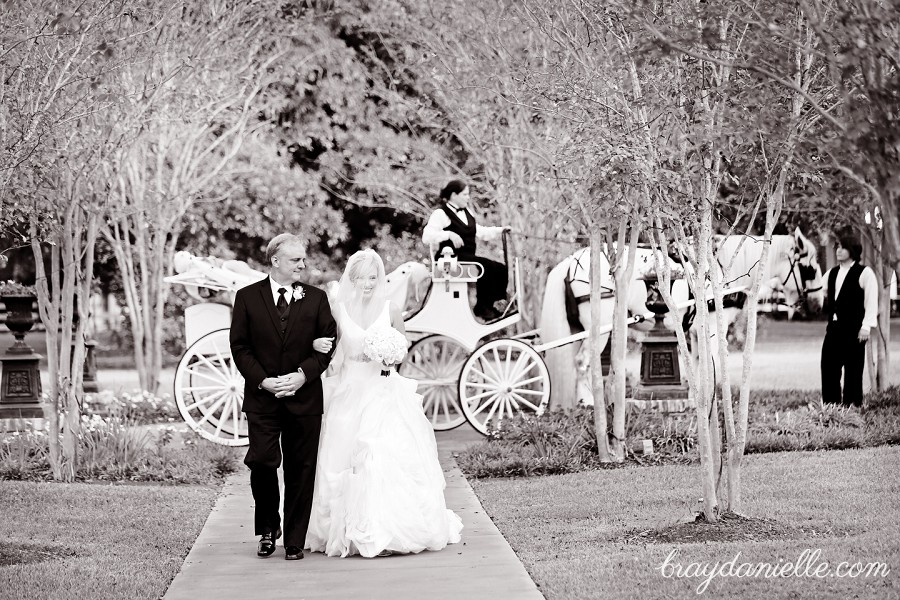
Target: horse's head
<point x="802" y="280"/>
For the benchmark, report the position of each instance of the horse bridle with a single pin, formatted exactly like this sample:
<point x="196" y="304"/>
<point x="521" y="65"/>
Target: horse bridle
<point x="803" y="290"/>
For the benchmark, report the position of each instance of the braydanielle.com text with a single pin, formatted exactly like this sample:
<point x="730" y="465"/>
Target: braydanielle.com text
<point x="808" y="564"/>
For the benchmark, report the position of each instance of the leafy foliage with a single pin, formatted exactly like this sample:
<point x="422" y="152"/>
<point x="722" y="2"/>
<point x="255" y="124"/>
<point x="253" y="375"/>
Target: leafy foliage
<point x="780" y="421"/>
<point x="117" y="449"/>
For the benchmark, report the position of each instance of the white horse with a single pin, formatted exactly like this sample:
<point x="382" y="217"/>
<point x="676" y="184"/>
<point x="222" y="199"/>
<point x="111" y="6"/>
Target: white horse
<point x="572" y="277"/>
<point x="791" y="269"/>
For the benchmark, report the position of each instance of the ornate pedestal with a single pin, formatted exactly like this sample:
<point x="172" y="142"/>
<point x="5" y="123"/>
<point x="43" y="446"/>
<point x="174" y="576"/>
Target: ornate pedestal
<point x="660" y="371"/>
<point x="90" y="368"/>
<point x="20" y="383"/>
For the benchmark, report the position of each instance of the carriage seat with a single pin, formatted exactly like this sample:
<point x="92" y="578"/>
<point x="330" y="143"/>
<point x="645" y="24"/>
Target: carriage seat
<point x="202" y="319"/>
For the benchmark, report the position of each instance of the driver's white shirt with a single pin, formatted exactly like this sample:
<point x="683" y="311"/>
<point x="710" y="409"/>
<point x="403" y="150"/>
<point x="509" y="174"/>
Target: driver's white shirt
<point x="435" y="230"/>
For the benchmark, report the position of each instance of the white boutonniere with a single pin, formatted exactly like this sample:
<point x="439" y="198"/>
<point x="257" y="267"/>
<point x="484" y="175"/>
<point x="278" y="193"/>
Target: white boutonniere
<point x="298" y="293"/>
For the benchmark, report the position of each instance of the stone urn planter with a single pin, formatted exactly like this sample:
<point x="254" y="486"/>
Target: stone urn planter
<point x="19" y="319"/>
<point x="20" y="383"/>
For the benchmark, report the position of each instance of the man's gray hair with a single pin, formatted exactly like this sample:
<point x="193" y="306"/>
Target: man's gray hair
<point x="278" y="241"/>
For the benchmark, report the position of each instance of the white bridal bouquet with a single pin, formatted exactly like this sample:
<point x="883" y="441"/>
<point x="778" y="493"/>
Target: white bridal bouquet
<point x="385" y="345"/>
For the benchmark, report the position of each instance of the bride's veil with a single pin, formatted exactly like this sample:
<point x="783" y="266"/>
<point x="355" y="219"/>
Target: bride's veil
<point x="363" y="311"/>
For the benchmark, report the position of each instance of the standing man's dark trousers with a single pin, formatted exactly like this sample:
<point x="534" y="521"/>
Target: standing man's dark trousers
<point x="492" y="285"/>
<point x="300" y="442"/>
<point x="842" y="350"/>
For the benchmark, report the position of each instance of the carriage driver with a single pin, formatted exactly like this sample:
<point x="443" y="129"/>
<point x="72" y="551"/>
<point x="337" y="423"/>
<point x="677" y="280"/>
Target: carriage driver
<point x="453" y="225"/>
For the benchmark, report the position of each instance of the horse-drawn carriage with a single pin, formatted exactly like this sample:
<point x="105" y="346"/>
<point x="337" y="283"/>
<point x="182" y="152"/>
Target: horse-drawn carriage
<point x="461" y="376"/>
<point x="458" y="379"/>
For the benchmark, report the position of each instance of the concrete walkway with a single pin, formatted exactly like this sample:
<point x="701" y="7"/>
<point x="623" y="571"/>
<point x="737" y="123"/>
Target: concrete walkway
<point x="223" y="563"/>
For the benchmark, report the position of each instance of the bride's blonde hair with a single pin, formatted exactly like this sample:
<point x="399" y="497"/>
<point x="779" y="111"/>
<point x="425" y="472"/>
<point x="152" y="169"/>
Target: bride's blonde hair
<point x="362" y="310"/>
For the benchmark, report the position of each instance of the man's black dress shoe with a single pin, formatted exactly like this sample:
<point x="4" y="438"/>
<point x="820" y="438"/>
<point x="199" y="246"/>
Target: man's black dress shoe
<point x="293" y="553"/>
<point x="267" y="543"/>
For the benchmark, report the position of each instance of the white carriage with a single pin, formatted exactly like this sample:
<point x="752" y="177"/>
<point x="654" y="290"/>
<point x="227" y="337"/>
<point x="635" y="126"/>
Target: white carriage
<point x="209" y="390"/>
<point x="456" y="379"/>
<point x="493" y="380"/>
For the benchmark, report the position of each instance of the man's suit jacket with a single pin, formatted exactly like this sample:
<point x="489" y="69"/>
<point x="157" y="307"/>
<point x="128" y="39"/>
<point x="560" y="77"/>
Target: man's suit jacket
<point x="261" y="350"/>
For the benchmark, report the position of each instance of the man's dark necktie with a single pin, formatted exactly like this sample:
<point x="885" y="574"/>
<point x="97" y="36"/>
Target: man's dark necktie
<point x="282" y="304"/>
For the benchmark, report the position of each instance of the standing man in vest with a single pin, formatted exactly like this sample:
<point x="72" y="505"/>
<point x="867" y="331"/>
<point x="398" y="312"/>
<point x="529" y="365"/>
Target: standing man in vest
<point x="851" y="305"/>
<point x="454" y="226"/>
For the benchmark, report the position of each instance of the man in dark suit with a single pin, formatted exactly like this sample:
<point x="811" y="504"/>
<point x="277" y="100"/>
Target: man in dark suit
<point x="273" y="327"/>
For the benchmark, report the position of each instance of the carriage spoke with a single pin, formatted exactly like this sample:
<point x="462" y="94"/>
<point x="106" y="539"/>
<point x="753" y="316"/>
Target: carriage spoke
<point x="495" y="366"/>
<point x="236" y="417"/>
<point x="201" y="388"/>
<point x="494" y="405"/>
<point x="501" y="404"/>
<point x="482" y="394"/>
<point x="516" y="369"/>
<point x="527" y="381"/>
<point x="532" y="392"/>
<point x="213" y="367"/>
<point x="485" y="405"/>
<point x="212" y="410"/>
<point x="418" y="367"/>
<point x="486" y="377"/>
<point x="512" y="407"/>
<point x="520" y="399"/>
<point x="202" y="374"/>
<point x="205" y="400"/>
<point x="223" y="362"/>
<point x="483" y="386"/>
<point x="226" y="408"/>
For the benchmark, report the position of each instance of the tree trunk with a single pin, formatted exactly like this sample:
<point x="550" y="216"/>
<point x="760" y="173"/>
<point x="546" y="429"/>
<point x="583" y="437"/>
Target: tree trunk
<point x="705" y="391"/>
<point x="622" y="275"/>
<point x="72" y="264"/>
<point x="594" y="337"/>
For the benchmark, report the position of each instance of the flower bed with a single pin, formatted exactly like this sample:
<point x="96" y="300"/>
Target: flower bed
<point x="779" y="421"/>
<point x="117" y="449"/>
<point x="141" y="407"/>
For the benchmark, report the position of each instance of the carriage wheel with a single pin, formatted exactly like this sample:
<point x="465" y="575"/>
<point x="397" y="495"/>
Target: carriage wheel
<point x="435" y="362"/>
<point x="209" y="391"/>
<point x="500" y="379"/>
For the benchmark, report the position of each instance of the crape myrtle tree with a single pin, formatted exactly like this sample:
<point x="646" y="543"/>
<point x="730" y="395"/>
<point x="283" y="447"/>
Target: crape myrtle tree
<point x="729" y="125"/>
<point x="353" y="156"/>
<point x="60" y="83"/>
<point x="848" y="163"/>
<point x="472" y="53"/>
<point x="193" y="101"/>
<point x="858" y="43"/>
<point x="586" y="82"/>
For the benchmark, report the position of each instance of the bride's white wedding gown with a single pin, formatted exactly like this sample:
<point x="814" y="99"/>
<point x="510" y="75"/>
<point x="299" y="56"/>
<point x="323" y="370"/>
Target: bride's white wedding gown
<point x="379" y="485"/>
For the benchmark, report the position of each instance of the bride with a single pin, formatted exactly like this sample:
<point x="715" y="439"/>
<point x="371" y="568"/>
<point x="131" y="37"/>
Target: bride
<point x="379" y="487"/>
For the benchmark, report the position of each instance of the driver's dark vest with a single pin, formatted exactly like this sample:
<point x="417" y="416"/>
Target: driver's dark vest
<point x="849" y="306"/>
<point x="464" y="230"/>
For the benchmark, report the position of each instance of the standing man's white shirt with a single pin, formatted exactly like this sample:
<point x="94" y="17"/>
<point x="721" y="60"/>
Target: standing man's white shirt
<point x="435" y="231"/>
<point x="869" y="285"/>
<point x="288" y="290"/>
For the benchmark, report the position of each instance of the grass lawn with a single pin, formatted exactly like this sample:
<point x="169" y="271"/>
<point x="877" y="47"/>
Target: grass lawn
<point x="574" y="532"/>
<point x="96" y="541"/>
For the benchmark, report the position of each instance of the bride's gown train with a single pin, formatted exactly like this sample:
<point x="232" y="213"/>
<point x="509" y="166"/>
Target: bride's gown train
<point x="379" y="485"/>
